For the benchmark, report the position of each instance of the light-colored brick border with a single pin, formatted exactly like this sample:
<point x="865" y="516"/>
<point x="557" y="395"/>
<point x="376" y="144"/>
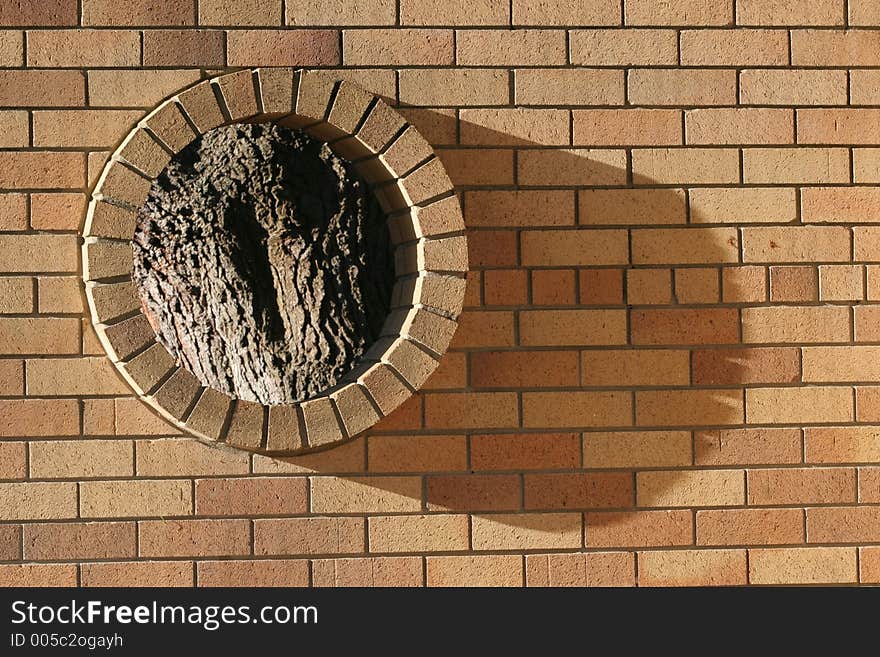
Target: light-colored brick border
<point x="426" y="228"/>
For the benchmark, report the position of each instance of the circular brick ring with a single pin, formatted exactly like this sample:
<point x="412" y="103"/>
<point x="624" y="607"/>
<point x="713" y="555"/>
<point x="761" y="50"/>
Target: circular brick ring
<point x="426" y="229"/>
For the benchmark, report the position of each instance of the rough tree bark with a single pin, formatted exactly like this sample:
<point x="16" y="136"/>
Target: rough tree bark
<point x="263" y="262"/>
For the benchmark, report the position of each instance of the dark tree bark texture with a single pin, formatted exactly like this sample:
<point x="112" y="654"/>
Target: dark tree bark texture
<point x="263" y="262"/>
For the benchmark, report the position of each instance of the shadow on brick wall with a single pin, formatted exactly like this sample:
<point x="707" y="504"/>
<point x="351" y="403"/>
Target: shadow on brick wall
<point x="607" y="309"/>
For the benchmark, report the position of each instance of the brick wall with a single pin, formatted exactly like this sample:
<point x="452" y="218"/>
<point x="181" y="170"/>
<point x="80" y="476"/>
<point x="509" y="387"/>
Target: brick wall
<point x="667" y="371"/>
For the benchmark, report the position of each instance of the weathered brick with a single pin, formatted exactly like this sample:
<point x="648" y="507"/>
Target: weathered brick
<point x="742" y="47"/>
<point x="569" y="87"/>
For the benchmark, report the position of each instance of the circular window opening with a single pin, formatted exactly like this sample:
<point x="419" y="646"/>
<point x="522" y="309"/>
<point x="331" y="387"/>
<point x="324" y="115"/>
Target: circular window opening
<point x="274" y="260"/>
<point x="263" y="262"/>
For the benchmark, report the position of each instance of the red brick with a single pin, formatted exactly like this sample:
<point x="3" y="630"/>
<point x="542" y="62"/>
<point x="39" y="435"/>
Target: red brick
<point x="203" y="538"/>
<point x="750" y="527"/>
<point x="525" y="451"/>
<point x="79" y="540"/>
<point x="152" y="12"/>
<point x="579" y="491"/>
<point x="473" y="492"/>
<point x="680" y="326"/>
<point x="802" y="486"/>
<point x="283" y="48"/>
<point x="524" y="369"/>
<point x="184" y="48"/>
<point x="587" y="569"/>
<point x="246" y="497"/>
<point x="39" y="14"/>
<point x="639" y="528"/>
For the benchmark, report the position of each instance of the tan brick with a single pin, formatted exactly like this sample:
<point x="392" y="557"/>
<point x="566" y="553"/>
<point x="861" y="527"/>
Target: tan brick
<point x="565" y="13"/>
<point x="627" y="127"/>
<point x="648" y="286"/>
<point x="16" y="295"/>
<point x="11" y="48"/>
<point x="295" y="536"/>
<point x="474" y="492"/>
<point x="869" y="565"/>
<point x="510" y="47"/>
<point x="27" y="335"/>
<point x="73" y="376"/>
<point x="571" y="409"/>
<point x="249" y="12"/>
<point x="39" y="417"/>
<point x="554" y="287"/>
<point x="639" y="528"/>
<point x="697" y="285"/>
<point x="626" y="207"/>
<point x="184" y="48"/>
<point x="38" y="575"/>
<point x="37" y="501"/>
<point x="780" y="12"/>
<point x="750" y="527"/>
<point x="161" y="12"/>
<point x="741" y="47"/>
<point x="842" y="524"/>
<point x="26" y="88"/>
<point x="358" y="495"/>
<point x="842" y="444"/>
<point x="678" y="12"/>
<point x="803" y="566"/>
<point x="417" y="453"/>
<point x="866" y="165"/>
<point x="677" y="326"/>
<point x="472" y="167"/>
<point x="455" y="87"/>
<point x="835" y="48"/>
<point x="587" y="569"/>
<point x="569" y="87"/>
<point x="109" y="499"/>
<point x="747" y="446"/>
<point x="680" y="246"/>
<point x="512" y="127"/>
<point x="398" y="47"/>
<point x="57" y="211"/>
<point x="867" y="403"/>
<point x="82" y="128"/>
<point x="170" y="456"/>
<point x="13" y="129"/>
<point x="348" y="457"/>
<point x="138" y="573"/>
<point x="483" y="410"/>
<point x="43" y="170"/>
<point x="838" y="126"/>
<point x="863" y="87"/>
<point x="841" y="282"/>
<point x="283" y="48"/>
<point x="530" y="531"/>
<point x="685" y="166"/>
<point x="801" y="165"/>
<point x="792" y="324"/>
<point x="476" y="571"/>
<point x="277" y="572"/>
<point x="574" y="167"/>
<point x="369" y="571"/>
<point x="796" y="244"/>
<point x="525" y="451"/>
<point x="246" y="497"/>
<point x="866" y="243"/>
<point x="418" y="533"/>
<point x="574" y="247"/>
<point x="793" y="87"/>
<point x="739" y="126"/>
<point x="527" y="369"/>
<point x="810" y="404"/>
<point x="136" y="88"/>
<point x="794" y="284"/>
<point x="86" y="540"/>
<point x="745" y="366"/>
<point x="455" y="13"/>
<point x="642" y="367"/>
<point x="693" y="568"/>
<point x="72" y="48"/>
<point x="682" y="87"/>
<point x="832" y="204"/>
<point x="863" y="12"/>
<point x="623" y="47"/>
<point x="572" y="327"/>
<point x="63" y="459"/>
<point x="521" y="208"/>
<point x="690" y="488"/>
<point x="52" y="12"/>
<point x="798" y="486"/>
<point x="742" y="205"/>
<point x="10" y="542"/>
<point x="341" y="12"/>
<point x="201" y="538"/>
<point x="637" y="449"/>
<point x="743" y="284"/>
<point x="13" y="212"/>
<point x="601" y="490"/>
